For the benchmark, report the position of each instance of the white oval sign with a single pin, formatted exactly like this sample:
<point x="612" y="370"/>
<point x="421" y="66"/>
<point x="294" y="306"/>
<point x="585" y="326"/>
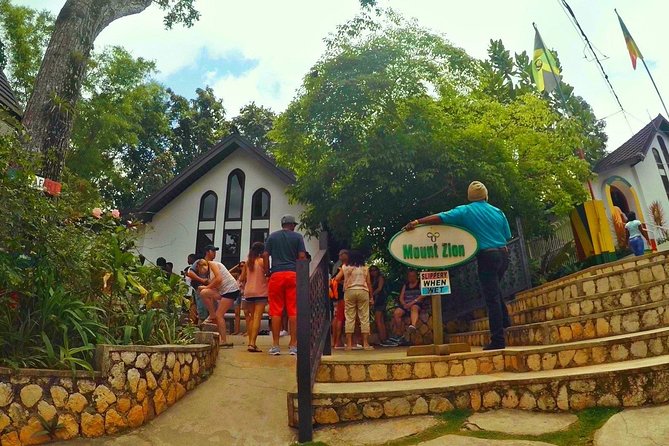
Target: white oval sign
<point x="433" y="246"/>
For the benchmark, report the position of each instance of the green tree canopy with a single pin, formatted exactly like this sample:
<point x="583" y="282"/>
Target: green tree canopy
<point x="255" y="122"/>
<point x="394" y="122"/>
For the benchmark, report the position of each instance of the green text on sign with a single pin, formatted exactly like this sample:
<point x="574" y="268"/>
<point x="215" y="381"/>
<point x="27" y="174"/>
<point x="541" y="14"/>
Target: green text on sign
<point x="433" y="246"/>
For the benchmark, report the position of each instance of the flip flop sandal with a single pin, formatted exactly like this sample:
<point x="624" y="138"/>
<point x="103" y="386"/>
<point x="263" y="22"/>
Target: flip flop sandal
<point x="254" y="349"/>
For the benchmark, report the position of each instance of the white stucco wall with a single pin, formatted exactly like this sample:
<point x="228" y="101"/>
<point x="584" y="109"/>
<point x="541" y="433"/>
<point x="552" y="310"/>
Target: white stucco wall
<point x="646" y="181"/>
<point x="172" y="232"/>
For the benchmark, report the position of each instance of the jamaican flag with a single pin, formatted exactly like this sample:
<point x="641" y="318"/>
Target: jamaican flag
<point x="631" y="44"/>
<point x="544" y="69"/>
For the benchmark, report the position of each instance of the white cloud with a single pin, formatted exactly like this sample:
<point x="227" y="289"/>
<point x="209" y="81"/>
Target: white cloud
<point x="286" y="38"/>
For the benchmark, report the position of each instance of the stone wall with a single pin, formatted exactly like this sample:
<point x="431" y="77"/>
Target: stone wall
<point x="132" y="385"/>
<point x="623" y="388"/>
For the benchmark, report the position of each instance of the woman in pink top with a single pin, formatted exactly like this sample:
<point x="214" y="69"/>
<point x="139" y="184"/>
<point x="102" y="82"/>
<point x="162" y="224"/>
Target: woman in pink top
<point x="254" y="283"/>
<point x="357" y="297"/>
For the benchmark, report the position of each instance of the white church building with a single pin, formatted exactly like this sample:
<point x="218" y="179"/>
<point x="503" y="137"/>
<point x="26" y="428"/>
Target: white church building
<point x="635" y="177"/>
<point x="231" y="196"/>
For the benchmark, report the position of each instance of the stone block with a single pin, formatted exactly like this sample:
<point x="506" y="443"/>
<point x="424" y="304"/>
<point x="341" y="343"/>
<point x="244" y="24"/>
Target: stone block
<point x="589" y="331"/>
<point x="470" y="367"/>
<point x="631" y="279"/>
<point x="546" y="402"/>
<point x="583" y="385"/>
<point x="656" y="293"/>
<point x="439" y="404"/>
<point x="463" y="400"/>
<point x="650" y="319"/>
<point x="576" y="331"/>
<point x="396" y="407"/>
<point x="114" y="422"/>
<point x="92" y="425"/>
<point x="159" y="401"/>
<point x="350" y="412"/>
<point x="6" y="394"/>
<point x="656" y="346"/>
<point x="136" y="416"/>
<point x="440" y="369"/>
<point x="420" y="407"/>
<point x="456" y="369"/>
<point x="630" y="322"/>
<point x="357" y="372"/>
<point x="372" y="410"/>
<point x="646" y="275"/>
<point x="86" y="386"/>
<point x="103" y="398"/>
<point x="580" y="401"/>
<point x="581" y="357"/>
<point x="599" y="354"/>
<point x="574" y="309"/>
<point x="151" y="381"/>
<point x="565" y="357"/>
<point x="128" y="357"/>
<point x="510" y="399"/>
<point x="589" y="288"/>
<point x="142" y="361"/>
<point x="422" y="370"/>
<point x="475" y="400"/>
<point x="400" y="371"/>
<point x="527" y="401"/>
<point x="565" y="333"/>
<point x="157" y="362"/>
<point x="323" y="374"/>
<point x="46" y="410"/>
<point x="548" y="361"/>
<point x="563" y="398"/>
<point x="326" y="415"/>
<point x="485" y="366"/>
<point x="603" y="285"/>
<point x="69" y="427"/>
<point x="608" y="400"/>
<point x="615" y="282"/>
<point x="602" y="327"/>
<point x="639" y="349"/>
<point x="59" y="396"/>
<point x="619" y="353"/>
<point x="32" y="433"/>
<point x="30" y="395"/>
<point x="491" y="399"/>
<point x="615" y="323"/>
<point x="77" y="403"/>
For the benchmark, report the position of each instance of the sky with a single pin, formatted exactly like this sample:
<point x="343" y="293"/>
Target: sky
<point x="259" y="50"/>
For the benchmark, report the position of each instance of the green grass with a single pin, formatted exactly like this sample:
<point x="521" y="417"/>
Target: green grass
<point x="580" y="433"/>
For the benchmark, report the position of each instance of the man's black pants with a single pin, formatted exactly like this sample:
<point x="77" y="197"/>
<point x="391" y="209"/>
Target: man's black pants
<point x="492" y="264"/>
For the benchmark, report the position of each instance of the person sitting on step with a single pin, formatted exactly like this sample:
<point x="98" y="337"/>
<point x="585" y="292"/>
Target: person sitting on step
<point x="410" y="302"/>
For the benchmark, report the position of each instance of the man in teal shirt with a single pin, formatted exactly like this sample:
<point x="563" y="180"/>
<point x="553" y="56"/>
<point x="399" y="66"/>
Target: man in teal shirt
<point x="491" y="229"/>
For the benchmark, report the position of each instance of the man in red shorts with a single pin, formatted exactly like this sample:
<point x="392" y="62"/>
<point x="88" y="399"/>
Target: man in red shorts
<point x="285" y="247"/>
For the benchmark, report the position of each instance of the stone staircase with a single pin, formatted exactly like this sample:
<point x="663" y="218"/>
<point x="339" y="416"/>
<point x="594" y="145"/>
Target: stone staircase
<point x="599" y="337"/>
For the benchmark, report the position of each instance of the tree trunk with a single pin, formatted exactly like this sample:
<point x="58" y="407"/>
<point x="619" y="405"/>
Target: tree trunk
<point x="50" y="111"/>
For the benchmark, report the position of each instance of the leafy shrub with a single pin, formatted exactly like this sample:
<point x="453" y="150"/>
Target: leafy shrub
<point x="69" y="280"/>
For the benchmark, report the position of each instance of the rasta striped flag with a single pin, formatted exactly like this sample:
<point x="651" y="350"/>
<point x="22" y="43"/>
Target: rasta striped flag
<point x="544" y="68"/>
<point x="631" y="44"/>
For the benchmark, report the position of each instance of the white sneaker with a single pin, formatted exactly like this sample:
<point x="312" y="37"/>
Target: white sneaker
<point x="283" y="333"/>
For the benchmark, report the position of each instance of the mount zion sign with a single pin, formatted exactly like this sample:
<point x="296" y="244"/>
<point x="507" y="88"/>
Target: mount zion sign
<point x="433" y="246"/>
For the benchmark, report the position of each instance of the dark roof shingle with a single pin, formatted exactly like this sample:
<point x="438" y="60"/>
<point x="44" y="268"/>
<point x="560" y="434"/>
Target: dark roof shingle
<point x="7" y="98"/>
<point x="635" y="148"/>
<point x="201" y="165"/>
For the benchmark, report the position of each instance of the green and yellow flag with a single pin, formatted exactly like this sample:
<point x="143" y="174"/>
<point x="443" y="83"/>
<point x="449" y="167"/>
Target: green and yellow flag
<point x="629" y="41"/>
<point x="544" y="69"/>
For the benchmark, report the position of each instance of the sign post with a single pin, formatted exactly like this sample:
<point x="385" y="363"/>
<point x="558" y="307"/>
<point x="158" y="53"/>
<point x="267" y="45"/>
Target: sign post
<point x="434" y="248"/>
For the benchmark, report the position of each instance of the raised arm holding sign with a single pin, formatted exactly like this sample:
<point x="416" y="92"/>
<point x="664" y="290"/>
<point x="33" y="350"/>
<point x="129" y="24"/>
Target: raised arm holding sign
<point x="490" y="227"/>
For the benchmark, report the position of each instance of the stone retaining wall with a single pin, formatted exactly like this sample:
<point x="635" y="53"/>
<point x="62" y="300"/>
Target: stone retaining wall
<point x="644" y="345"/>
<point x="625" y="320"/>
<point x="617" y="276"/>
<point x="624" y="388"/>
<point x="133" y="385"/>
<point x="612" y="300"/>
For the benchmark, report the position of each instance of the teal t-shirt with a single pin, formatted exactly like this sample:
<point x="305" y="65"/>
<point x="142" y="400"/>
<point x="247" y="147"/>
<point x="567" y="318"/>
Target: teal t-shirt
<point x="488" y="224"/>
<point x="634" y="228"/>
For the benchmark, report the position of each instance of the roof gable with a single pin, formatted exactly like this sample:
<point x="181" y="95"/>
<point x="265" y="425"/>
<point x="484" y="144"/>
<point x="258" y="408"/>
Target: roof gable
<point x="7" y="99"/>
<point x="201" y="166"/>
<point x="634" y="149"/>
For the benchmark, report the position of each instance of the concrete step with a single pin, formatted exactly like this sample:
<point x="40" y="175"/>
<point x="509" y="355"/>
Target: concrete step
<point x="629" y="384"/>
<point x="621" y="276"/>
<point x="393" y="364"/>
<point x="593" y="271"/>
<point x="591" y="326"/>
<point x="611" y="300"/>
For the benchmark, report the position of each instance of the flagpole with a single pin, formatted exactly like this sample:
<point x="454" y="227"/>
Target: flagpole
<point x="655" y="85"/>
<point x="557" y="81"/>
